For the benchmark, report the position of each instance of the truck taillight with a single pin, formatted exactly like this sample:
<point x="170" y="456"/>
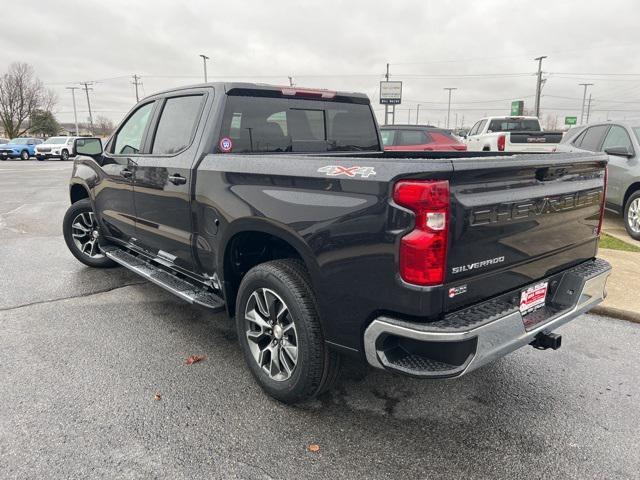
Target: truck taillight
<point x="502" y="139"/>
<point x="604" y="199"/>
<point x="423" y="251"/>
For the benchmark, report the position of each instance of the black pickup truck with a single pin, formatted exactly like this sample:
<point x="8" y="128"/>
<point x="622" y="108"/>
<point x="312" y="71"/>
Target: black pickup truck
<point x="278" y="205"/>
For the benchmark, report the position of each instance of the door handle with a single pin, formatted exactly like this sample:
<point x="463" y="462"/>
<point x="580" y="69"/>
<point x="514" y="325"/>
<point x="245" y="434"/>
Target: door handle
<point x="177" y="179"/>
<point x="126" y="173"/>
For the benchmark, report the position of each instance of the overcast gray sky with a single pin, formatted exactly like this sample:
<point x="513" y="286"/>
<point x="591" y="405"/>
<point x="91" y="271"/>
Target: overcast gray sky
<point x="484" y="48"/>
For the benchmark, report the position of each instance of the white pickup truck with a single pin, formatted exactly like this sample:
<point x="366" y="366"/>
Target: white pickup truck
<point x="510" y="134"/>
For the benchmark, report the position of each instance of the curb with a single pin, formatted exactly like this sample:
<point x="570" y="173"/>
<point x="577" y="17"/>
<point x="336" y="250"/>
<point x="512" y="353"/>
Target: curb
<point x="618" y="313"/>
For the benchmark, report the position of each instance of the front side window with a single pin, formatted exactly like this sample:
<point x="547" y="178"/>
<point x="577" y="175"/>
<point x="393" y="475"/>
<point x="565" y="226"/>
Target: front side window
<point x="474" y="129"/>
<point x="617" y="137"/>
<point x="129" y="137"/>
<point x="273" y="125"/>
<point x="177" y="124"/>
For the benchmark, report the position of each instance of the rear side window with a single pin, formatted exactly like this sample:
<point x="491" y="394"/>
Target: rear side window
<point x="388" y="137"/>
<point x="412" y="137"/>
<point x="592" y="138"/>
<point x="272" y="125"/>
<point x="177" y="124"/>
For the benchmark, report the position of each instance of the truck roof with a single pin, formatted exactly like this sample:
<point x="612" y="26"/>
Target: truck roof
<point x="266" y="88"/>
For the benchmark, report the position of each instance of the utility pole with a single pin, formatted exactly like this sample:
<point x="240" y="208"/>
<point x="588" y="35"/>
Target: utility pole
<point x="204" y="63"/>
<point x="538" y="85"/>
<point x="589" y="108"/>
<point x="455" y="125"/>
<point x="584" y="99"/>
<point x="136" y="83"/>
<point x="386" y="105"/>
<point x="449" y="105"/>
<point x="290" y="81"/>
<point x="86" y="90"/>
<point x="409" y="117"/>
<point x="418" y="114"/>
<point x="75" y="112"/>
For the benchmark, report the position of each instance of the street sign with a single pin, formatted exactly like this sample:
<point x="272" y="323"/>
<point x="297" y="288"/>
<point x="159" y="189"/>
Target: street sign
<point x="570" y="120"/>
<point x="390" y="93"/>
<point x="517" y="107"/>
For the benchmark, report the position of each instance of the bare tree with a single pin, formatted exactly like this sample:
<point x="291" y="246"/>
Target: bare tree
<point x="22" y="94"/>
<point x="103" y="126"/>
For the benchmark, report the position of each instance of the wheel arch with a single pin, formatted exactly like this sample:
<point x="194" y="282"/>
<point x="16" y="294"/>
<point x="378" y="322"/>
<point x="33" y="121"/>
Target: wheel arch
<point x="77" y="192"/>
<point x="631" y="189"/>
<point x="247" y="243"/>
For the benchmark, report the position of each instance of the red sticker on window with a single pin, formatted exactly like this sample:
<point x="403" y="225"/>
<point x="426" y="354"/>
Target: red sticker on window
<point x="226" y="144"/>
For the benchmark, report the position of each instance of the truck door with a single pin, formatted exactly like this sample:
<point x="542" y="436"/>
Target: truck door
<point x="114" y="196"/>
<point x="162" y="181"/>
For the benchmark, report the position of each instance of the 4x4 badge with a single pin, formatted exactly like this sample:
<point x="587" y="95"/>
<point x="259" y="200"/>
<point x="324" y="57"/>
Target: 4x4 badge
<point x="336" y="170"/>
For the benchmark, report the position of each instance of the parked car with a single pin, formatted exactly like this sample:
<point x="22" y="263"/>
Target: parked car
<point x="511" y="134"/>
<point x="418" y="137"/>
<point x="278" y="205"/>
<point x="619" y="140"/>
<point x="56" y="147"/>
<point x="23" y="148"/>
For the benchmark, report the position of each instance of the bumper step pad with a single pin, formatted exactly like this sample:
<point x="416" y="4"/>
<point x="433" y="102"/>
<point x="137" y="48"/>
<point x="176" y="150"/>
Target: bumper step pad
<point x="184" y="289"/>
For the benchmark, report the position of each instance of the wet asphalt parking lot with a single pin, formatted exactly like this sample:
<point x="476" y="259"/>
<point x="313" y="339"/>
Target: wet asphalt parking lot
<point x="84" y="352"/>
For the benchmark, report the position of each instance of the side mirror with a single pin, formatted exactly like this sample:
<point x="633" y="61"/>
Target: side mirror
<point x="90" y="147"/>
<point x="619" y="152"/>
<point x="465" y="136"/>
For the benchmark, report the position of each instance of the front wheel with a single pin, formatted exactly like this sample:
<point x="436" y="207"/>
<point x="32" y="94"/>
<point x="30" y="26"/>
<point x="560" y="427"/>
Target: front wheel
<point x="81" y="233"/>
<point x="280" y="333"/>
<point x="64" y="155"/>
<point x="632" y="215"/>
<point x="24" y="155"/>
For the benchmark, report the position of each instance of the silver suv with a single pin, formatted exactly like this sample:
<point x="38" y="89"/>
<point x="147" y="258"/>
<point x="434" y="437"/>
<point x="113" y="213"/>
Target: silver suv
<point x="621" y="141"/>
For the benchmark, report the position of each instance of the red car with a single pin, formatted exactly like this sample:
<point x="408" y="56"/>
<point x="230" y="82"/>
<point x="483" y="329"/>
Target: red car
<point x="411" y="138"/>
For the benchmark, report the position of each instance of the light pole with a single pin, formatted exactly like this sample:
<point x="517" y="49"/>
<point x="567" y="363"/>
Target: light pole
<point x="75" y="112"/>
<point x="584" y="98"/>
<point x="418" y="114"/>
<point x="204" y="63"/>
<point x="449" y="105"/>
<point x="539" y="85"/>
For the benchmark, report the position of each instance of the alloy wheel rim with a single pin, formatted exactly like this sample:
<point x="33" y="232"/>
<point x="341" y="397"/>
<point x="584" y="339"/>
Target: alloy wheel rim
<point x="271" y="334"/>
<point x="84" y="231"/>
<point x="633" y="216"/>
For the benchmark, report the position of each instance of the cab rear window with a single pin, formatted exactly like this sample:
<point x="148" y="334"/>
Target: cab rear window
<point x="276" y="125"/>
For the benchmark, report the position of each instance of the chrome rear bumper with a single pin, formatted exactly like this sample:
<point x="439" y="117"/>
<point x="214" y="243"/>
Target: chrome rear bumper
<point x="468" y="339"/>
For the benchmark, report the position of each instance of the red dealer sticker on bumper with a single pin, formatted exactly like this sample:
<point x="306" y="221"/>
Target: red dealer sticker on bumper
<point x="533" y="297"/>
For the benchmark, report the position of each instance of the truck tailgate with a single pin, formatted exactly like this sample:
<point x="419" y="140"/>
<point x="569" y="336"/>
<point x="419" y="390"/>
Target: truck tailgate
<point x="519" y="219"/>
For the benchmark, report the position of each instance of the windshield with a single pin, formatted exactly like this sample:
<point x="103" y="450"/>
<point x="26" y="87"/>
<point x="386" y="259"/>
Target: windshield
<point x="56" y="140"/>
<point x="514" y="124"/>
<point x="264" y="124"/>
<point x="19" y="141"/>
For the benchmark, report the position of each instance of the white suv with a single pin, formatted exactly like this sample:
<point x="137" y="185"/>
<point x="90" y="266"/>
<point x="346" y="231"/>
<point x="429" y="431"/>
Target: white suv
<point x="56" y="147"/>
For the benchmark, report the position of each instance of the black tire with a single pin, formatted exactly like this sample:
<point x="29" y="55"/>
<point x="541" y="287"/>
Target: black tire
<point x="317" y="367"/>
<point x="82" y="207"/>
<point x="24" y="155"/>
<point x="64" y="155"/>
<point x="40" y="158"/>
<point x="634" y="199"/>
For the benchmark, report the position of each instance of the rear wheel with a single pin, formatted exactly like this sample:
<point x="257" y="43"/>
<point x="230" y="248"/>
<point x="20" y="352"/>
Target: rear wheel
<point x="24" y="155"/>
<point x="280" y="333"/>
<point x="81" y="233"/>
<point x="632" y="215"/>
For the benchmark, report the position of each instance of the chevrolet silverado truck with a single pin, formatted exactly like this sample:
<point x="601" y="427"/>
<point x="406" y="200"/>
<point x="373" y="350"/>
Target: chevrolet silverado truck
<point x="278" y="206"/>
<point x="511" y="134"/>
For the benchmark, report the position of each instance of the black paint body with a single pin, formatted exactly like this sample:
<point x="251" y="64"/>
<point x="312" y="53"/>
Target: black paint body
<point x="347" y="230"/>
